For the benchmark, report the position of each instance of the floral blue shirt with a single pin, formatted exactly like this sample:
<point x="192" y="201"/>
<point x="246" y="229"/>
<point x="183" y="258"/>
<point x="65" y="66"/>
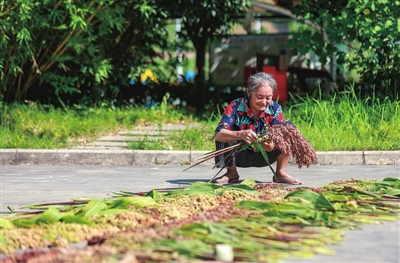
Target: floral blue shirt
<point x="238" y="116"/>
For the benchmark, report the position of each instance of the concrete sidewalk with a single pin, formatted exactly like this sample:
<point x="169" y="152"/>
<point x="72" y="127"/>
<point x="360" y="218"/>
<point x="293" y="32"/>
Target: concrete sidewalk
<point x="32" y="184"/>
<point x="149" y="157"/>
<point x="27" y="184"/>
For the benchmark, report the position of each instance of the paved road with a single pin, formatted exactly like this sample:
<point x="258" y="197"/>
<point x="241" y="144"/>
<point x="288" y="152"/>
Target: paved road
<point x="31" y="184"/>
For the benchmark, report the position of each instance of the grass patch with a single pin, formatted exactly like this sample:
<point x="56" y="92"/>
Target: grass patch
<point x="35" y="126"/>
<point x="197" y="138"/>
<point x="338" y="123"/>
<point x="345" y="122"/>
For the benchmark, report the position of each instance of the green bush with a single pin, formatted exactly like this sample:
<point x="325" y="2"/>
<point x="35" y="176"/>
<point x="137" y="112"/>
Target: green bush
<point x="60" y="52"/>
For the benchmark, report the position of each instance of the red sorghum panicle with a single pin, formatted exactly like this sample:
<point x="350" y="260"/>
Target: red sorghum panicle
<point x="289" y="140"/>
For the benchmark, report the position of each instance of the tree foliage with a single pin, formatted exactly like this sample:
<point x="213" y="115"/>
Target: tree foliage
<point x="87" y="48"/>
<point x="202" y="21"/>
<point x="83" y="51"/>
<point x="370" y="29"/>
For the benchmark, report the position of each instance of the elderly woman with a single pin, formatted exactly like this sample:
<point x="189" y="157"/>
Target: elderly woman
<point x="242" y="120"/>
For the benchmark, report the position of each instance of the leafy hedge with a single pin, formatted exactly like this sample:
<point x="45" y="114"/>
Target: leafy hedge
<point x="81" y="51"/>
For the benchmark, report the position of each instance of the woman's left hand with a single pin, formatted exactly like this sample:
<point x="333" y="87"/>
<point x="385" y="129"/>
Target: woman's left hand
<point x="268" y="145"/>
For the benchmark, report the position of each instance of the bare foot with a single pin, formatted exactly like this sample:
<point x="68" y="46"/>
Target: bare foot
<point x="227" y="178"/>
<point x="284" y="178"/>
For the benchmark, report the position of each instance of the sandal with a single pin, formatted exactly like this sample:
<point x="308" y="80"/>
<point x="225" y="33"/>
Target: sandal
<point x="286" y="180"/>
<point x="226" y="179"/>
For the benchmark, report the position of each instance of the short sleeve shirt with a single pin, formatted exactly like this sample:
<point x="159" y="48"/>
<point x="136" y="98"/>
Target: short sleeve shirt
<point x="238" y="116"/>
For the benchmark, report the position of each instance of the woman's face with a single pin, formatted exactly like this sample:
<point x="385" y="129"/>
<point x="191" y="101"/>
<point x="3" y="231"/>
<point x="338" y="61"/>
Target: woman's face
<point x="260" y="99"/>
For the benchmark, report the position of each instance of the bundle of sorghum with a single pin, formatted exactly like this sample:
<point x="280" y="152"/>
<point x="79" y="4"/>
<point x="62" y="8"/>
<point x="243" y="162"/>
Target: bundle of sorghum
<point x="288" y="139"/>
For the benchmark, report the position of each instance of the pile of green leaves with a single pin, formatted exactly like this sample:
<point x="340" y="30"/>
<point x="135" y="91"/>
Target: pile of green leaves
<point x="256" y="222"/>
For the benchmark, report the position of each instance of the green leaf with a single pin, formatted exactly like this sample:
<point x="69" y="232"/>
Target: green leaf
<point x="393" y="192"/>
<point x="377" y="28"/>
<point x="212" y="231"/>
<point x="249" y="182"/>
<point x="139" y="201"/>
<point x="373" y="8"/>
<point x="261" y="149"/>
<point x="198" y="188"/>
<point x="92" y="208"/>
<point x="51" y="215"/>
<point x="336" y="197"/>
<point x="75" y="219"/>
<point x="398" y="25"/>
<point x="303" y="221"/>
<point x="5" y="223"/>
<point x="298" y="209"/>
<point x="254" y="205"/>
<point x="388" y="23"/>
<point x="374" y="218"/>
<point x="368" y="193"/>
<point x="264" y="154"/>
<point x="318" y="200"/>
<point x="323" y="250"/>
<point x="203" y="229"/>
<point x="62" y="27"/>
<point x="391" y="179"/>
<point x="356" y="195"/>
<point x="24" y="35"/>
<point x="123" y="193"/>
<point x="2" y="239"/>
<point x="155" y="195"/>
<point x="377" y="188"/>
<point x="23" y="222"/>
<point x="77" y="22"/>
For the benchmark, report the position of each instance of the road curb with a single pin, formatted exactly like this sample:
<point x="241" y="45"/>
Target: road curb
<point x="147" y="157"/>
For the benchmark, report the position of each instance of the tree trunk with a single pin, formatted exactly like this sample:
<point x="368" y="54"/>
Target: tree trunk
<point x="201" y="89"/>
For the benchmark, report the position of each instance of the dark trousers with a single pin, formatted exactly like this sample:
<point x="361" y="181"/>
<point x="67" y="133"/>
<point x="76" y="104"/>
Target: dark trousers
<point x="243" y="158"/>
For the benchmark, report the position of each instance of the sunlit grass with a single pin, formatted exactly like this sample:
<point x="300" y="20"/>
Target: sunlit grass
<point x="345" y="122"/>
<point x="341" y="122"/>
<point x="192" y="138"/>
<point x="35" y="126"/>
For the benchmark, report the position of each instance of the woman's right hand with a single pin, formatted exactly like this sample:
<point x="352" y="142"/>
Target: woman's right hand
<point x="248" y="136"/>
